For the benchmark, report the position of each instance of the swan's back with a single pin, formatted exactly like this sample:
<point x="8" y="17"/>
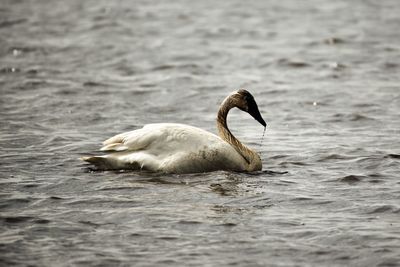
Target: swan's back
<point x="168" y="147"/>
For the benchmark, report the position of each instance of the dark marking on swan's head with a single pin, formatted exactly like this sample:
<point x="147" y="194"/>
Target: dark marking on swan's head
<point x="248" y="104"/>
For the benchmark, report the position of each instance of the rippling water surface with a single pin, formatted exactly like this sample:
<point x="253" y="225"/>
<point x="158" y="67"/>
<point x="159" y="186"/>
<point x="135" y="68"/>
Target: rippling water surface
<point x="324" y="73"/>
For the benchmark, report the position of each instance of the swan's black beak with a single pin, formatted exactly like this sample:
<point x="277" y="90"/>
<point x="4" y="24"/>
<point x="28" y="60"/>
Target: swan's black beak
<point x="255" y="113"/>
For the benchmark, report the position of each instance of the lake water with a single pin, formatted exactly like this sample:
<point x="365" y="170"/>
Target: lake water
<point x="326" y="77"/>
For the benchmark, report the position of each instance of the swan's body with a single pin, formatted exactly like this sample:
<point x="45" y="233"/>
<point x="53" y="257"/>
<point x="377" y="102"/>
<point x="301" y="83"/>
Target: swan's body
<point x="179" y="148"/>
<point x="171" y="148"/>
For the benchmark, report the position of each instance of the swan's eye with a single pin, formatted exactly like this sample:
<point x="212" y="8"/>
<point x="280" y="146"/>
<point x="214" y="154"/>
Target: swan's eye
<point x="248" y="98"/>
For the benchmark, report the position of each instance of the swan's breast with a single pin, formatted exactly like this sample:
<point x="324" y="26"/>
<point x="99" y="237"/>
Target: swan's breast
<point x="211" y="157"/>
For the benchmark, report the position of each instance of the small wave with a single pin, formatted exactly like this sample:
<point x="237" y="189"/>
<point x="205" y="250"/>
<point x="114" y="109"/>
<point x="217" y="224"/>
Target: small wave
<point x="42" y="221"/>
<point x="371" y="178"/>
<point x="364" y="105"/>
<point x="334" y="40"/>
<point x="10" y="23"/>
<point x="56" y="198"/>
<point x="171" y="66"/>
<point x="23" y="219"/>
<point x="17" y="219"/>
<point x="9" y="70"/>
<point x="90" y="223"/>
<point x="118" y="188"/>
<point x="390" y="65"/>
<point x="267" y="172"/>
<point x="351" y="179"/>
<point x="301" y="198"/>
<point x="189" y="222"/>
<point x="384" y="209"/>
<point x="94" y="84"/>
<point x="263" y="206"/>
<point x="227" y="209"/>
<point x="393" y="156"/>
<point x="31" y="185"/>
<point x="359" y="117"/>
<point x="147" y="85"/>
<point x="229" y="224"/>
<point x="286" y="182"/>
<point x="163" y="67"/>
<point x="297" y="163"/>
<point x="220" y="189"/>
<point x="333" y="157"/>
<point x="279" y="156"/>
<point x="292" y="63"/>
<point x="14" y="202"/>
<point x="17" y="50"/>
<point x="136" y="235"/>
<point x="168" y="238"/>
<point x="354" y="117"/>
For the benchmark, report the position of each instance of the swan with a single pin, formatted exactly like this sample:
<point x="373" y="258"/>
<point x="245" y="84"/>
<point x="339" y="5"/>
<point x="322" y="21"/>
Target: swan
<point x="180" y="148"/>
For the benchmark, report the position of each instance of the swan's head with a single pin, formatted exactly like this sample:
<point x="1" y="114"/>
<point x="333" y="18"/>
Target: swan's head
<point x="245" y="102"/>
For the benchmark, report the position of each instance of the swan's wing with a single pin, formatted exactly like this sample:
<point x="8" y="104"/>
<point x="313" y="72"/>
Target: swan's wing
<point x="115" y="143"/>
<point x="134" y="140"/>
<point x="158" y="134"/>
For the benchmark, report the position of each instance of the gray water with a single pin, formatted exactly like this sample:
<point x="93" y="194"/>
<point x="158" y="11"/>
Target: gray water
<point x="325" y="74"/>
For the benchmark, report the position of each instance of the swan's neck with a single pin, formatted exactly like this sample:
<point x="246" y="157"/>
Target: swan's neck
<point x="252" y="158"/>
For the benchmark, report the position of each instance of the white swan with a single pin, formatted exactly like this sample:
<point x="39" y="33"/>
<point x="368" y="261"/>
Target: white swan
<point x="179" y="148"/>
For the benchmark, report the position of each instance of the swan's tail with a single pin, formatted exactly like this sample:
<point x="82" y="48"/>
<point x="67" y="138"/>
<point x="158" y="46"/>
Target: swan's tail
<point x="100" y="162"/>
<point x="111" y="162"/>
